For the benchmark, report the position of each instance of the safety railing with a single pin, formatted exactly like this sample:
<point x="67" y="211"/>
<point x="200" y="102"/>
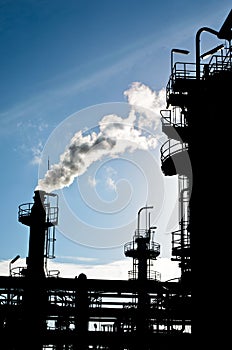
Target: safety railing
<point x="141" y="233"/>
<point x="171" y="147"/>
<point x="151" y="275"/>
<point x="173" y="117"/>
<point x="183" y="70"/>
<point x="18" y="271"/>
<point x="222" y="62"/>
<point x="152" y="248"/>
<point x="180" y="71"/>
<point x="53" y="273"/>
<point x="24" y="210"/>
<point x="51" y="212"/>
<point x="155" y="275"/>
<point x="181" y="238"/>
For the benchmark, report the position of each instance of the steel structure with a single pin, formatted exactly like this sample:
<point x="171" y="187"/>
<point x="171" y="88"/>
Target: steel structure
<point x="79" y="313"/>
<point x="40" y="310"/>
<point x="197" y="97"/>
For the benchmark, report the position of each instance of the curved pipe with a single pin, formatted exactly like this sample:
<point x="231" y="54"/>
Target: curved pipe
<point x="203" y="29"/>
<point x="149" y="207"/>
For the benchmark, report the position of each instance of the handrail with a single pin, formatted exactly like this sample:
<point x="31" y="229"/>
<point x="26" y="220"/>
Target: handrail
<point x="177" y="241"/>
<point x="166" y="119"/>
<point x="220" y="62"/>
<point x="171" y="147"/>
<point x="53" y="273"/>
<point x="51" y="212"/>
<point x="192" y="71"/>
<point x="151" y="247"/>
<point x="181" y="70"/>
<point x="175" y="117"/>
<point x="25" y="209"/>
<point x="155" y="275"/>
<point x="151" y="275"/>
<point x="17" y="271"/>
<point x="142" y="232"/>
<point x="177" y="237"/>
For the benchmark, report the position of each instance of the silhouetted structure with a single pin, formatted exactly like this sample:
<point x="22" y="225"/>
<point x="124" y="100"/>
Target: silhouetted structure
<point x="199" y="95"/>
<point x="39" y="310"/>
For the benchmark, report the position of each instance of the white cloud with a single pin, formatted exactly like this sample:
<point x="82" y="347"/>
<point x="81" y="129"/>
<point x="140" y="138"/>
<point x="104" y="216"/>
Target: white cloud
<point x="77" y="258"/>
<point x="110" y="184"/>
<point x="92" y="181"/>
<point x="110" y="171"/>
<point x="113" y="270"/>
<point x="37" y="153"/>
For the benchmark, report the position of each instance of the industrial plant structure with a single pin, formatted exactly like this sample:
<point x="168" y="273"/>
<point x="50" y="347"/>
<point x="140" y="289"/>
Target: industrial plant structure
<point x="40" y="310"/>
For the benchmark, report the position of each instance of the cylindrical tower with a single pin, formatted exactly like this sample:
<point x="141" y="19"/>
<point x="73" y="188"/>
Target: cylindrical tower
<point x="143" y="250"/>
<point x="41" y="217"/>
<point x="198" y="94"/>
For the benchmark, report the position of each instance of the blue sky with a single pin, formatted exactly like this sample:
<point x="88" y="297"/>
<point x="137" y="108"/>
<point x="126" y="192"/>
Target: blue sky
<point x="62" y="62"/>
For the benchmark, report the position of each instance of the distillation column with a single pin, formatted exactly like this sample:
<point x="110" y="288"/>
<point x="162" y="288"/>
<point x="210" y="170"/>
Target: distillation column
<point x="142" y="250"/>
<point x="40" y="217"/>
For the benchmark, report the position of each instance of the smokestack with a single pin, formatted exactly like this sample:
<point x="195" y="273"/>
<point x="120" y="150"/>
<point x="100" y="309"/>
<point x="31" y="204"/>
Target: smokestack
<point x="35" y="259"/>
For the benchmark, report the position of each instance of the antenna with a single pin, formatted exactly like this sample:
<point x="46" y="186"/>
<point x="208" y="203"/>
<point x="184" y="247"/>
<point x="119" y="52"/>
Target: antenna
<point x="146" y="217"/>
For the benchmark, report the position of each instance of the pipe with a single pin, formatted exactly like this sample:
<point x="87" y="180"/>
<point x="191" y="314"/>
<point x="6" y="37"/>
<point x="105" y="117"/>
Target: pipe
<point x="35" y="259"/>
<point x="203" y="29"/>
<point x="149" y="207"/>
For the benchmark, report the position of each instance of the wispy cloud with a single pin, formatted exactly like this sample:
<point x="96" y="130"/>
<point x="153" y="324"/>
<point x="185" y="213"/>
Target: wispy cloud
<point x="31" y="139"/>
<point x="77" y="258"/>
<point x="92" y="181"/>
<point x="39" y="125"/>
<point x="66" y="86"/>
<point x="110" y="184"/>
<point x="110" y="171"/>
<point x="131" y="54"/>
<point x="37" y="153"/>
<point x="110" y="181"/>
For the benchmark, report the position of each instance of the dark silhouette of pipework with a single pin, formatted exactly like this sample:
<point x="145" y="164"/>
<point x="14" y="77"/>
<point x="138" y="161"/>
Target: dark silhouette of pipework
<point x="40" y="310"/>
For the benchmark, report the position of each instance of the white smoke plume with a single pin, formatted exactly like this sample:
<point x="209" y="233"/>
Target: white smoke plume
<point x="114" y="136"/>
<point x="147" y="103"/>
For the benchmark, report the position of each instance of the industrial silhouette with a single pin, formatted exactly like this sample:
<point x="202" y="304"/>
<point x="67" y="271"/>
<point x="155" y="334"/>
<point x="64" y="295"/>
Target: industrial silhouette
<point x="39" y="310"/>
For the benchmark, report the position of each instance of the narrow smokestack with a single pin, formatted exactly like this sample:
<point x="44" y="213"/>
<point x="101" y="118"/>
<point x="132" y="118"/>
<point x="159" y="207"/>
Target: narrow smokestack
<point x="35" y="259"/>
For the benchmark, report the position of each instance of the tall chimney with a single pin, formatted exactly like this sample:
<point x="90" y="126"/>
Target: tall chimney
<point x="35" y="259"/>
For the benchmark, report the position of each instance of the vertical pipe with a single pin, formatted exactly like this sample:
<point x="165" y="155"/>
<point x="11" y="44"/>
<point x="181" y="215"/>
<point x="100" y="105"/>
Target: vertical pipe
<point x="182" y="228"/>
<point x="82" y="313"/>
<point x="149" y="207"/>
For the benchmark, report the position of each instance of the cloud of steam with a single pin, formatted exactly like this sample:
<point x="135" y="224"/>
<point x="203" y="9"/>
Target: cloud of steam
<point x="113" y="136"/>
<point x="147" y="103"/>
